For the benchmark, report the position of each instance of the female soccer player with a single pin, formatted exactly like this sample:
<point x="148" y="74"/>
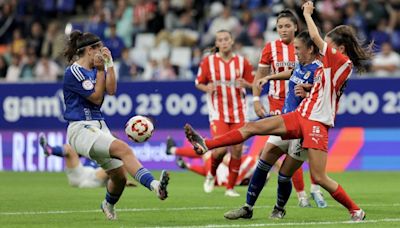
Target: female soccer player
<point x="311" y="121"/>
<point x="86" y="82"/>
<point x="223" y="75"/>
<point x="303" y="74"/>
<point x="279" y="56"/>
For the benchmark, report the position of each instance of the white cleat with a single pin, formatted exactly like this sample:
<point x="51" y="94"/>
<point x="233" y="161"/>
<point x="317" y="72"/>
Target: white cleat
<point x="231" y="193"/>
<point x="109" y="210"/>
<point x="304" y="202"/>
<point x="209" y="183"/>
<point x="357" y="216"/>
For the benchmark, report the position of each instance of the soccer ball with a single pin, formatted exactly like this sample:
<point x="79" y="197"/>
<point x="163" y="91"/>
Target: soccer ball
<point x="139" y="129"/>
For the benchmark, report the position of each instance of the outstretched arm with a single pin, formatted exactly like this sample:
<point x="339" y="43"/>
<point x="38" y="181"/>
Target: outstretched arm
<point x="308" y="9"/>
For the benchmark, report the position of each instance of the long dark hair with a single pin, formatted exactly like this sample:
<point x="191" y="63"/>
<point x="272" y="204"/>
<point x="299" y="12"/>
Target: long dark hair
<point x="346" y="36"/>
<point x="77" y="43"/>
<point x="287" y="13"/>
<point x="305" y="37"/>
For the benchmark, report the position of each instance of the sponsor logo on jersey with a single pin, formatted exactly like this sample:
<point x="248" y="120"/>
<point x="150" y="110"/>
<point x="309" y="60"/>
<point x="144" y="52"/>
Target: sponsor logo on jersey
<point x="87" y="85"/>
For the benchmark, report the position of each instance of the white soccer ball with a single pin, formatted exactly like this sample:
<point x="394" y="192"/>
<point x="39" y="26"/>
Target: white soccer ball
<point x="139" y="129"/>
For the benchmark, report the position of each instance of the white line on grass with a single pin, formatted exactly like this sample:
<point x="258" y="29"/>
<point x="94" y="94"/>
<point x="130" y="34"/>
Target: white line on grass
<point x="166" y="209"/>
<point x="283" y="224"/>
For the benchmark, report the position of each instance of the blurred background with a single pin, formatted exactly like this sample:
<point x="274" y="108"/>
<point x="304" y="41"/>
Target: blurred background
<point x="157" y="47"/>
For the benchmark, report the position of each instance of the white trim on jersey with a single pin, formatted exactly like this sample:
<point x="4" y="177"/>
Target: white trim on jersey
<point x="340" y="71"/>
<point x="77" y="73"/>
<point x="233" y="92"/>
<point x="224" y="92"/>
<point x="214" y="98"/>
<point x="241" y="69"/>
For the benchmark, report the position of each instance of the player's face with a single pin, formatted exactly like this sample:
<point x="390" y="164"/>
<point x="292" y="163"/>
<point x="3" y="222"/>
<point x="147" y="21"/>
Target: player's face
<point x="303" y="53"/>
<point x="94" y="51"/>
<point x="286" y="29"/>
<point x="224" y="41"/>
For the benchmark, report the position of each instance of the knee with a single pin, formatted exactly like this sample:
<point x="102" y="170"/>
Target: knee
<point x="319" y="178"/>
<point x="120" y="149"/>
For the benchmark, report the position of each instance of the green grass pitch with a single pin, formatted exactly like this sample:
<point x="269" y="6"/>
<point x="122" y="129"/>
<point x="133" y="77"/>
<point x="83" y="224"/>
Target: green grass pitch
<point x="46" y="200"/>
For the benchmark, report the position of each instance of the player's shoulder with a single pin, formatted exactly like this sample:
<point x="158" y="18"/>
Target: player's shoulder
<point x="75" y="71"/>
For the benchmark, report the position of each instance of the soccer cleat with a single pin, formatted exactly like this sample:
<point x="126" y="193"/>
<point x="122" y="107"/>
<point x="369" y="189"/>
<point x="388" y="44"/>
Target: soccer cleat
<point x="319" y="199"/>
<point x="180" y="162"/>
<point x="209" y="183"/>
<point x="231" y="193"/>
<point x="277" y="213"/>
<point x="162" y="192"/>
<point x="43" y="143"/>
<point x="196" y="140"/>
<point x="109" y="210"/>
<point x="170" y="143"/>
<point x="304" y="202"/>
<point x="357" y="215"/>
<point x="243" y="212"/>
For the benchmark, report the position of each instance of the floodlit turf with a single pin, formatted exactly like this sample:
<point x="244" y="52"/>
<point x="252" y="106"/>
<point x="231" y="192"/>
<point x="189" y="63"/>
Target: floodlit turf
<point x="46" y="200"/>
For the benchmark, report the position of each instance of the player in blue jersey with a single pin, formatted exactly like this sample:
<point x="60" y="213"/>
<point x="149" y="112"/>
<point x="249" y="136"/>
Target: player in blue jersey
<point x="86" y="81"/>
<point x="300" y="80"/>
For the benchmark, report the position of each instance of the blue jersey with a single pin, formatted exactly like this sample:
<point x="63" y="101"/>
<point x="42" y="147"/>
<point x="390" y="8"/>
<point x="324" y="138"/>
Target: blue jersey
<point x="301" y="75"/>
<point x="79" y="84"/>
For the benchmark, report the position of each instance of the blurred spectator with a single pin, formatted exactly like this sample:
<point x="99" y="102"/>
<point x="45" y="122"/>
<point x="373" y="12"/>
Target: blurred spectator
<point x="167" y="71"/>
<point x="18" y="44"/>
<point x="386" y="63"/>
<point x="250" y="29"/>
<point x="226" y="21"/>
<point x="380" y="34"/>
<point x="114" y="42"/>
<point x="3" y="68"/>
<point x="355" y="19"/>
<point x="97" y="24"/>
<point x="14" y="70"/>
<point x="151" y="70"/>
<point x="35" y="39"/>
<point x="127" y="70"/>
<point x="197" y="56"/>
<point x="47" y="70"/>
<point x="27" y="71"/>
<point x="123" y="17"/>
<point x="7" y="23"/>
<point x="53" y="42"/>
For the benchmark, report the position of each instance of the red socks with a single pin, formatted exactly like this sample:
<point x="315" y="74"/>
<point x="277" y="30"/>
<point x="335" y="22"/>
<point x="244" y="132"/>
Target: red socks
<point x="186" y="152"/>
<point x="234" y="167"/>
<point x="298" y="181"/>
<point x="231" y="138"/>
<point x="341" y="196"/>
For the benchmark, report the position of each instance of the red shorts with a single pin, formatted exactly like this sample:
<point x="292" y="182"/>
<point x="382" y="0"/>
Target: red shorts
<point x="219" y="127"/>
<point x="275" y="105"/>
<point x="314" y="134"/>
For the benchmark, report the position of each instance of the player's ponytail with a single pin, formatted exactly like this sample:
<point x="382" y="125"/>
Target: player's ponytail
<point x="77" y="43"/>
<point x="346" y="36"/>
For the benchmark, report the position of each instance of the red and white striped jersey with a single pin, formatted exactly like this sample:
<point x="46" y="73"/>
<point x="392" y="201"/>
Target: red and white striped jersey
<point x="329" y="83"/>
<point x="227" y="102"/>
<point x="280" y="57"/>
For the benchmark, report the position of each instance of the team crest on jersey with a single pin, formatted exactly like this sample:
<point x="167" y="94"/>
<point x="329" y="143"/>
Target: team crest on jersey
<point x="307" y="75"/>
<point x="87" y="85"/>
<point x="334" y="50"/>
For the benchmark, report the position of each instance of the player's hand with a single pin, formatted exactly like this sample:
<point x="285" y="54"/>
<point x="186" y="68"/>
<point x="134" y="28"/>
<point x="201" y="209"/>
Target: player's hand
<point x="261" y="82"/>
<point x="106" y="53"/>
<point x="308" y="8"/>
<point x="259" y="109"/>
<point x="99" y="61"/>
<point x="241" y="83"/>
<point x="300" y="91"/>
<point x="210" y="88"/>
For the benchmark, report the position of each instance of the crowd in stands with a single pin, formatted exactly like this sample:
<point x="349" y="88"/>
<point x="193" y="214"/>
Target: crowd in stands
<point x="166" y="39"/>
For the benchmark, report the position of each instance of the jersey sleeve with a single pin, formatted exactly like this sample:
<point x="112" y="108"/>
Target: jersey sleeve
<point x="266" y="56"/>
<point x="332" y="58"/>
<point x="203" y="74"/>
<point x="248" y="71"/>
<point x="76" y="81"/>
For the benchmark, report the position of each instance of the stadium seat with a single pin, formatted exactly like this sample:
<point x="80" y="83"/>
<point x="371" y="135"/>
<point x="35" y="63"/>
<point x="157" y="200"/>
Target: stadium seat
<point x="181" y="56"/>
<point x="145" y="40"/>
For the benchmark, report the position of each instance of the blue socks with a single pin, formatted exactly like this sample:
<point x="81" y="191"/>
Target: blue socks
<point x="284" y="190"/>
<point x="144" y="177"/>
<point x="57" y="151"/>
<point x="257" y="182"/>
<point x="112" y="199"/>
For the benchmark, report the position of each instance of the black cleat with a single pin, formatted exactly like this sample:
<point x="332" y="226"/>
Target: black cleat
<point x="196" y="140"/>
<point x="170" y="143"/>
